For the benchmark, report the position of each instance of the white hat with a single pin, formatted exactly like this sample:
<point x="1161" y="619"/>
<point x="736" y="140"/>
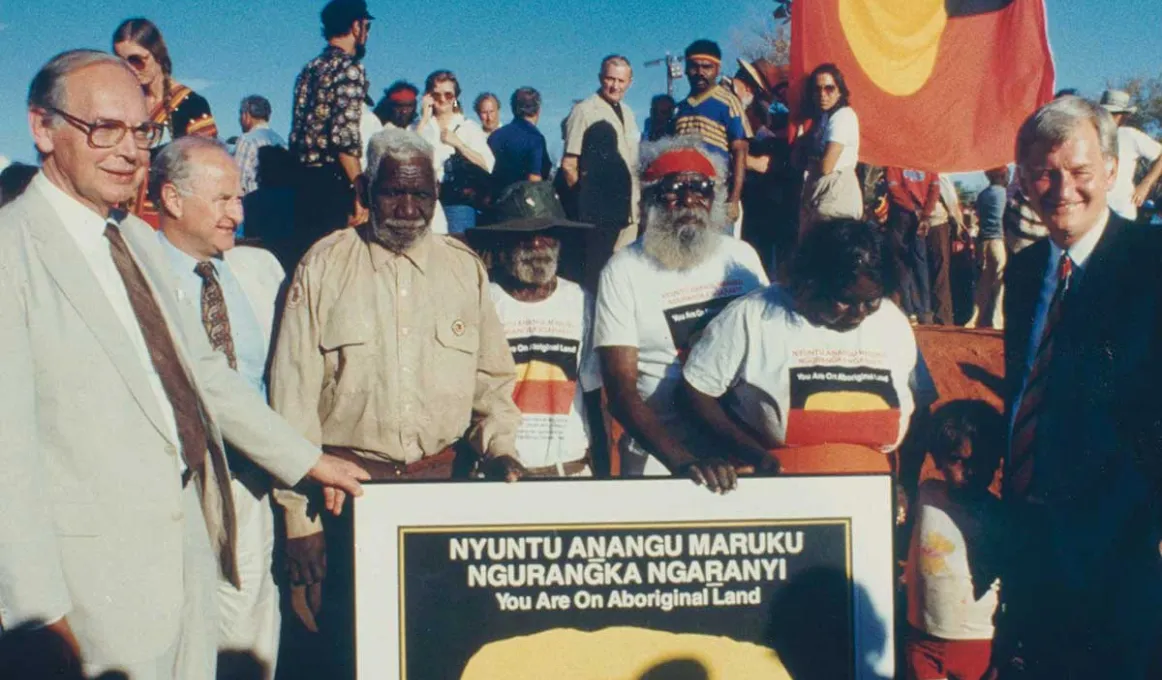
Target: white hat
<point x="1117" y="101"/>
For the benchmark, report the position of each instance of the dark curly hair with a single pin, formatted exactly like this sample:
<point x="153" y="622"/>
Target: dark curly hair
<point x="973" y="420"/>
<point x="835" y="254"/>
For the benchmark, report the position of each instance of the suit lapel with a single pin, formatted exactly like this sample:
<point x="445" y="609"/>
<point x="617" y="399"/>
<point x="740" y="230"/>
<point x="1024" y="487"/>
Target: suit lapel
<point x="252" y="287"/>
<point x="71" y="272"/>
<point x="1101" y="272"/>
<point x="1022" y="288"/>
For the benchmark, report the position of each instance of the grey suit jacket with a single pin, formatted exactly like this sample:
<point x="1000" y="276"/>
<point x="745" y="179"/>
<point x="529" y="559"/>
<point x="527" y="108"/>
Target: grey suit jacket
<point x="92" y="521"/>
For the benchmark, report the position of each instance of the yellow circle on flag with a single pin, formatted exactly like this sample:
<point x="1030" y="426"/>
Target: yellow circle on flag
<point x="895" y="41"/>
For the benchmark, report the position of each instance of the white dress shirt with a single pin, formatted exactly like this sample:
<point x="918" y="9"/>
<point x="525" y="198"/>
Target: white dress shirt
<point x="87" y="229"/>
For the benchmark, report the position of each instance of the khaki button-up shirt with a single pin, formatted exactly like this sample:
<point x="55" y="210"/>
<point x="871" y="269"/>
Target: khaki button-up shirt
<point x="396" y="356"/>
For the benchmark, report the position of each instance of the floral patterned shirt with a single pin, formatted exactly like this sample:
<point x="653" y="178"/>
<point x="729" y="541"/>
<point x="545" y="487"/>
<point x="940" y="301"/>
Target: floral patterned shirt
<point x="329" y="95"/>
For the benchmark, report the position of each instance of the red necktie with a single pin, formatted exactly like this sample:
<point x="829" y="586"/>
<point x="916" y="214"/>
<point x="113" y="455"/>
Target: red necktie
<point x="1020" y="472"/>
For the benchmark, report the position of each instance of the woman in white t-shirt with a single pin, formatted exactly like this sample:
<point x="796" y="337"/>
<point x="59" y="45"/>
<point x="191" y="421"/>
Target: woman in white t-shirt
<point x="462" y="159"/>
<point x="829" y="150"/>
<point x="817" y="376"/>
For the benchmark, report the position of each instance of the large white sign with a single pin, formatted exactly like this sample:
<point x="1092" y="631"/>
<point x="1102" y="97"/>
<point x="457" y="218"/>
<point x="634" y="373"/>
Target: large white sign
<point x="785" y="577"/>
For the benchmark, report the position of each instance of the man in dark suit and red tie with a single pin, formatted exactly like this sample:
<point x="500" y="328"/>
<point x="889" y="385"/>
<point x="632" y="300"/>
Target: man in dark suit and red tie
<point x="1082" y="592"/>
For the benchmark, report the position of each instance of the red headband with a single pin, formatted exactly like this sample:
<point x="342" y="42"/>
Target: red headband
<point x="678" y="160"/>
<point x="403" y="97"/>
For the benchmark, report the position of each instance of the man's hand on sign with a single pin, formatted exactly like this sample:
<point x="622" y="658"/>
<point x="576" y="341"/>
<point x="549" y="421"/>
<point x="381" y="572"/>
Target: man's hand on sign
<point x="339" y="478"/>
<point x="503" y="467"/>
<point x="716" y="474"/>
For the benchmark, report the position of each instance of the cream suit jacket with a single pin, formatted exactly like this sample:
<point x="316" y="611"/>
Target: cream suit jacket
<point x="91" y="526"/>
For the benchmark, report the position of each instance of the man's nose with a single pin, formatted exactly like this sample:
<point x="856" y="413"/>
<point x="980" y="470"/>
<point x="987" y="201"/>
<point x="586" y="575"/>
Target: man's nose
<point x="407" y="207"/>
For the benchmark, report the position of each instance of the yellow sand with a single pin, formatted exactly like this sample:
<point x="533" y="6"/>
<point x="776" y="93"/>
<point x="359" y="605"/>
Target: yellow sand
<point x="622" y="653"/>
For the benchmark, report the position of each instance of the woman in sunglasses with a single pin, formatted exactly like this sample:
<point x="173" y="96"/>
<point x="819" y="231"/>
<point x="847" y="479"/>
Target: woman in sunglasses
<point x="176" y="107"/>
<point x="815" y="376"/>
<point x="829" y="150"/>
<point x="463" y="159"/>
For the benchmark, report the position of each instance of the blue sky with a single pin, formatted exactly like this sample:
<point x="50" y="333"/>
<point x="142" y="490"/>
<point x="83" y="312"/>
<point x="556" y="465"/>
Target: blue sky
<point x="227" y="49"/>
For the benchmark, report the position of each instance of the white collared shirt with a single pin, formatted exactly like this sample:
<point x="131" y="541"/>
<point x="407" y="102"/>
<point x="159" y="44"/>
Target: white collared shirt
<point x="87" y="229"/>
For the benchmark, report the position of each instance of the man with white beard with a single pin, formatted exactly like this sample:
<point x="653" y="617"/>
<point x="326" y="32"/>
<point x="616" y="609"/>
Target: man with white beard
<point x="655" y="298"/>
<point x="390" y="355"/>
<point x="548" y="321"/>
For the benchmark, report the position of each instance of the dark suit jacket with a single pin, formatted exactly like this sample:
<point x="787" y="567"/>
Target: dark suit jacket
<point x="1099" y="440"/>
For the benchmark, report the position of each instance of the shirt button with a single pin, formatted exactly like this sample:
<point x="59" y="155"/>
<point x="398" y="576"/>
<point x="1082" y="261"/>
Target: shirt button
<point x="176" y="516"/>
<point x="403" y="331"/>
<point x="403" y="293"/>
<point x="170" y="450"/>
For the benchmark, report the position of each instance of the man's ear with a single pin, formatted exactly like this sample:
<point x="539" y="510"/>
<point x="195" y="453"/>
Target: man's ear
<point x="40" y="123"/>
<point x="171" y="200"/>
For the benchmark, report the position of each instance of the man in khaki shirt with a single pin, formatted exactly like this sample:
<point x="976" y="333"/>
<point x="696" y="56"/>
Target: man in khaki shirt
<point x="390" y="353"/>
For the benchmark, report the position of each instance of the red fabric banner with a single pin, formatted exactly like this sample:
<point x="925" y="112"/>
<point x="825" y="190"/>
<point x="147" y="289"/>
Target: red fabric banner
<point x="938" y="85"/>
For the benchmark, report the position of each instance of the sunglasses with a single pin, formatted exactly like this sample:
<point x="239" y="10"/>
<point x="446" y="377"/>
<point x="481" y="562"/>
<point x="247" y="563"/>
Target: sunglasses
<point x="672" y="189"/>
<point x="828" y="89"/>
<point x="443" y="96"/>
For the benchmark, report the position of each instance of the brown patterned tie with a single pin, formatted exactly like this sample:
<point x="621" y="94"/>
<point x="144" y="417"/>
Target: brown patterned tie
<point x="182" y="397"/>
<point x="1021" y="463"/>
<point x="213" y="481"/>
<point x="215" y="317"/>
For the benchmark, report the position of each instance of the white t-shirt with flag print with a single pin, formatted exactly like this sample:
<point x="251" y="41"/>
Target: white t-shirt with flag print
<point x="662" y="313"/>
<point x="803" y="384"/>
<point x="552" y="347"/>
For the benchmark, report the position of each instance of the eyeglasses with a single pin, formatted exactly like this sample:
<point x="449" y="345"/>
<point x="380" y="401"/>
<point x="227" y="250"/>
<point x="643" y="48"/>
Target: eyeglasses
<point x="443" y="96"/>
<point x="828" y="89"/>
<point x="672" y="189"/>
<point x="106" y="134"/>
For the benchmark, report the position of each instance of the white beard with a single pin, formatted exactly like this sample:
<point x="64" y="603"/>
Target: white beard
<point x="679" y="247"/>
<point x="532" y="267"/>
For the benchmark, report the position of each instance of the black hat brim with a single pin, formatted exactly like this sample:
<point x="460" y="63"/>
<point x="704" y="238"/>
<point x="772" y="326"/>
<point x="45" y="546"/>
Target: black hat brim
<point x="531" y="224"/>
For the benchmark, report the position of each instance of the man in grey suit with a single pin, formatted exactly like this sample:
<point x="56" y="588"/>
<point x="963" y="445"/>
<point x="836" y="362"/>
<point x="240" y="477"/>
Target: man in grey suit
<point x="118" y="512"/>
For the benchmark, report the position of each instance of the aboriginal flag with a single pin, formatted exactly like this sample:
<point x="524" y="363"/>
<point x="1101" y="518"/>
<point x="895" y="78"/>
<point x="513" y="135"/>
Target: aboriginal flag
<point x="938" y="85"/>
<point x="546" y="371"/>
<point x="839" y="404"/>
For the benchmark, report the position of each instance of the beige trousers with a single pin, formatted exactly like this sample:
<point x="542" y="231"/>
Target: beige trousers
<point x="989" y="300"/>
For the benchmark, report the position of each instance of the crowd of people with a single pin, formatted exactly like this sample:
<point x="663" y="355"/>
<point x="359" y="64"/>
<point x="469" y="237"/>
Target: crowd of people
<point x="723" y="292"/>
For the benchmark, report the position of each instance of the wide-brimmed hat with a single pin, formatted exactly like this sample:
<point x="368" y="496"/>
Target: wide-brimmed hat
<point x="529" y="206"/>
<point x="1117" y="101"/>
<point x="765" y="73"/>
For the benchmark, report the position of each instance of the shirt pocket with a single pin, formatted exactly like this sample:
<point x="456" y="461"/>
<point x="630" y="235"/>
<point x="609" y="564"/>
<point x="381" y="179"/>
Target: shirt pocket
<point x="461" y="334"/>
<point x="456" y="353"/>
<point x="349" y="352"/>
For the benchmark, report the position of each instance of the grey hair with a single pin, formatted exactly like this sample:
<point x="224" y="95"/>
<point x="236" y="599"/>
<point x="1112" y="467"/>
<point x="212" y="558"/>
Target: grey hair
<point x="396" y="144"/>
<point x="47" y="90"/>
<point x="172" y="164"/>
<point x="614" y="60"/>
<point x="1054" y="122"/>
<point x="257" y="106"/>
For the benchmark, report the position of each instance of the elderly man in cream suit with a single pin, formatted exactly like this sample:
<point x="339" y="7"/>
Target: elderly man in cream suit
<point x="118" y="515"/>
<point x="196" y="186"/>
